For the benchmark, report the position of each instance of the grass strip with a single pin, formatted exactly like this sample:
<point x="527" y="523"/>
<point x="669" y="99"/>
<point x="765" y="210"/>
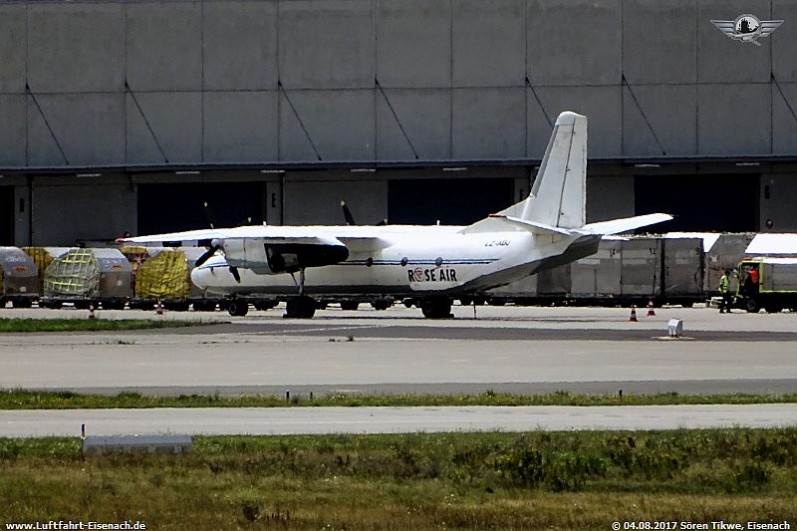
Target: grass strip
<point x="21" y="399"/>
<point x="534" y="480"/>
<point x="86" y="325"/>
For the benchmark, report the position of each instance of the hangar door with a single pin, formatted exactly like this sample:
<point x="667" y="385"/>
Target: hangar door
<point x="452" y="201"/>
<point x="726" y="203"/>
<point x="177" y="207"/>
<point x="6" y="215"/>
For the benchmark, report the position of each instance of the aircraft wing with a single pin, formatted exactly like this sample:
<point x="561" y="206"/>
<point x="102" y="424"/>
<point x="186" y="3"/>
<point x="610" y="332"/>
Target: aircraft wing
<point x="616" y="226"/>
<point x="354" y="238"/>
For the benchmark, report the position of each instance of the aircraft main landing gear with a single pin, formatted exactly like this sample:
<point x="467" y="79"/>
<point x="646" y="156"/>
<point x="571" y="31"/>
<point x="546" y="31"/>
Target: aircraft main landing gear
<point x="238" y="308"/>
<point x="300" y="308"/>
<point x="436" y="307"/>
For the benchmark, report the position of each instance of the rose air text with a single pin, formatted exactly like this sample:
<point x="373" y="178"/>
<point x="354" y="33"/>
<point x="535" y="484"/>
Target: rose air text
<point x="428" y="265"/>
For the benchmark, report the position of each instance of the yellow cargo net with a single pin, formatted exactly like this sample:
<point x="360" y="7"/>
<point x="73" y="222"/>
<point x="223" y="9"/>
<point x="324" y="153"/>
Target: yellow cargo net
<point x="42" y="259"/>
<point x="163" y="276"/>
<point x="73" y="274"/>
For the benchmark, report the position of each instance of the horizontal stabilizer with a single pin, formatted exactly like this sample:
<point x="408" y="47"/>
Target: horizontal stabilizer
<point x="533" y="226"/>
<point x="616" y="226"/>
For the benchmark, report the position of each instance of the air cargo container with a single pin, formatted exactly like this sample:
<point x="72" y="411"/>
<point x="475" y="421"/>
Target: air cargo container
<point x="18" y="278"/>
<point x="84" y="277"/>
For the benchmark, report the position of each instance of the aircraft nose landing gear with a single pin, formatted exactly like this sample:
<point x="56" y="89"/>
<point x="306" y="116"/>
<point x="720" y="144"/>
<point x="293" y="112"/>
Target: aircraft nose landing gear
<point x="436" y="307"/>
<point x="300" y="308"/>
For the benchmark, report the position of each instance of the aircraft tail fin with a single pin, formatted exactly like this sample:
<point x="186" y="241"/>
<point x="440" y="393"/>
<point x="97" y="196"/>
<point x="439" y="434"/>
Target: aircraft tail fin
<point x="558" y="197"/>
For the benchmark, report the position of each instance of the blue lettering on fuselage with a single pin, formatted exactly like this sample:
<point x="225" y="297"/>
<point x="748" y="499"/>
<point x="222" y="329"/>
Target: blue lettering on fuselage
<point x="432" y="275"/>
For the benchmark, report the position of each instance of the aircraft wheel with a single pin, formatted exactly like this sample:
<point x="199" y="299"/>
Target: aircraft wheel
<point x="380" y="304"/>
<point x="265" y="305"/>
<point x="204" y="306"/>
<point x="436" y="307"/>
<point x="300" y="308"/>
<point x="238" y="308"/>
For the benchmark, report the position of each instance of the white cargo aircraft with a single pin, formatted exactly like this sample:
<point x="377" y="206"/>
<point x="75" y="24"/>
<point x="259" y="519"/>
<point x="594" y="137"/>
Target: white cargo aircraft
<point x="428" y="264"/>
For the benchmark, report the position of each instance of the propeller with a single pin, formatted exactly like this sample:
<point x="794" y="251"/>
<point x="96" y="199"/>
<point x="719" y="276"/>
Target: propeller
<point x="235" y="274"/>
<point x="210" y="215"/>
<point x="350" y="218"/>
<point x="347" y="213"/>
<point x="215" y="245"/>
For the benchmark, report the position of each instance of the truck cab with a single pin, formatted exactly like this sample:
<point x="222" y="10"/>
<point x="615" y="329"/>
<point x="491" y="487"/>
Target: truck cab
<point x="767" y="282"/>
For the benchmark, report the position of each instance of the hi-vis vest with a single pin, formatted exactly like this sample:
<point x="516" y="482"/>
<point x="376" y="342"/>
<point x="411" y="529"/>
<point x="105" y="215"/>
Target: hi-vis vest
<point x="724" y="284"/>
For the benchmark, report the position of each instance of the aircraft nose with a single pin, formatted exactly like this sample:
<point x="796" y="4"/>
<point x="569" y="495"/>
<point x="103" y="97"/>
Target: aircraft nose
<point x="208" y="274"/>
<point x="199" y="276"/>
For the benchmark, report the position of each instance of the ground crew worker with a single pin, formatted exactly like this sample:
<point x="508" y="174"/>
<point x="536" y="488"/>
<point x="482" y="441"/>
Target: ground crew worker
<point x="754" y="277"/>
<point x="725" y="291"/>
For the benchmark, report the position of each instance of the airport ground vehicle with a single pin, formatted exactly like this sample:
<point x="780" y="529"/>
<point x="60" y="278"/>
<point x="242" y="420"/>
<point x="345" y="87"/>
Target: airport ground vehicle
<point x="776" y="286"/>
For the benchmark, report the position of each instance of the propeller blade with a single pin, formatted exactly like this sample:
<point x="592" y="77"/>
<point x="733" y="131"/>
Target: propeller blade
<point x="210" y="215"/>
<point x="235" y="274"/>
<point x="347" y="213"/>
<point x="205" y="257"/>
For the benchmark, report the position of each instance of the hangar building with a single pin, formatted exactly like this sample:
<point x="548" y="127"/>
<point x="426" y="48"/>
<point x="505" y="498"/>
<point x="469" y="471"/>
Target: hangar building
<point x="130" y="115"/>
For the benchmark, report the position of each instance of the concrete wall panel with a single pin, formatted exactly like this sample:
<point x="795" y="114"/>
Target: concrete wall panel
<point x="240" y="126"/>
<point x="175" y="119"/>
<point x="723" y="60"/>
<point x="240" y="45"/>
<point x="339" y="122"/>
<point x="784" y="122"/>
<point x="411" y="54"/>
<point x="426" y="118"/>
<point x="12" y="134"/>
<point x="92" y="211"/>
<point x="734" y="119"/>
<point x="164" y="46"/>
<point x="89" y="128"/>
<point x="326" y="44"/>
<point x="674" y="124"/>
<point x="660" y="41"/>
<point x="76" y="47"/>
<point x="310" y="202"/>
<point x="13" y="35"/>
<point x="488" y="123"/>
<point x="779" y="205"/>
<point x="610" y="197"/>
<point x="488" y="42"/>
<point x="601" y="105"/>
<point x="784" y="42"/>
<point x="575" y="43"/>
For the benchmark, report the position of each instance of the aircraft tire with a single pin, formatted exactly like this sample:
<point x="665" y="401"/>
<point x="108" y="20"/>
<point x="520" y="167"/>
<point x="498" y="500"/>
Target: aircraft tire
<point x="436" y="307"/>
<point x="204" y="306"/>
<point x="264" y="305"/>
<point x="300" y="308"/>
<point x="238" y="308"/>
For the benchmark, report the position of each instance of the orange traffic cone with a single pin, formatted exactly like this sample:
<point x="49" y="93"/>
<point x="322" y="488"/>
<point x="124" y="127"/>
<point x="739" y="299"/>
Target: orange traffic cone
<point x="633" y="313"/>
<point x="159" y="308"/>
<point x="651" y="311"/>
<point x="91" y="311"/>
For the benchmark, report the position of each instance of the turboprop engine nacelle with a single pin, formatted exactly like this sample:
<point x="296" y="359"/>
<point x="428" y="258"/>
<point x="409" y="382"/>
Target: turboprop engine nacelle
<point x="272" y="256"/>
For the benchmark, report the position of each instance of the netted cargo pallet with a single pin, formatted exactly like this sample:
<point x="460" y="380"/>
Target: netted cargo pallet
<point x="163" y="276"/>
<point x="74" y="274"/>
